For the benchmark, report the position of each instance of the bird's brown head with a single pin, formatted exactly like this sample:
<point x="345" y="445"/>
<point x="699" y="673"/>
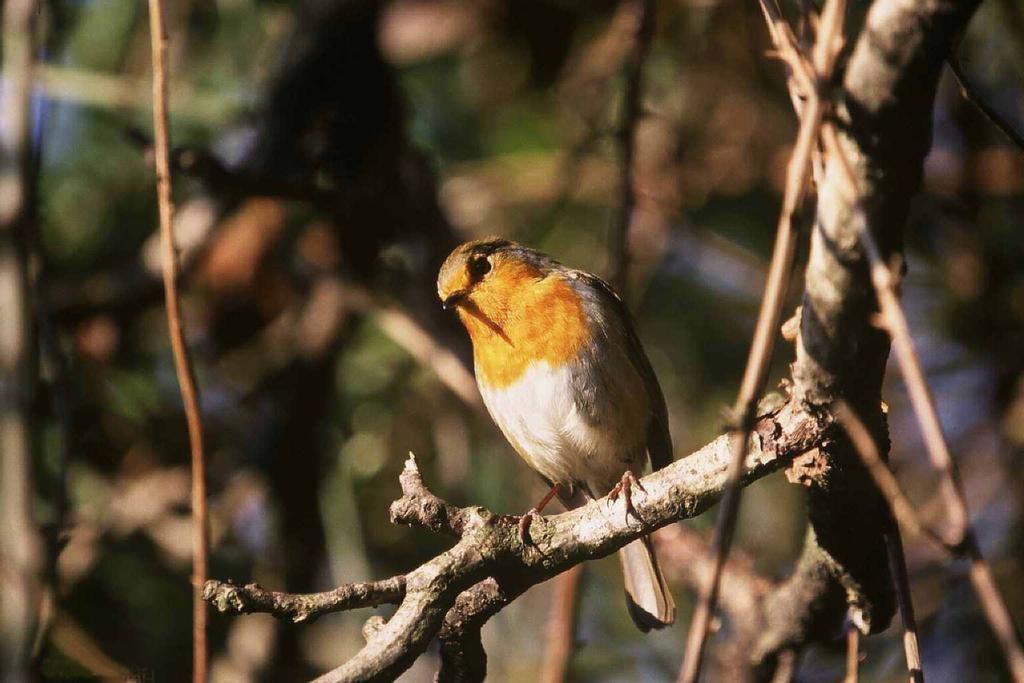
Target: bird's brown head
<point x="516" y="305"/>
<point x="487" y="272"/>
<point x="466" y="268"/>
<point x="485" y="280"/>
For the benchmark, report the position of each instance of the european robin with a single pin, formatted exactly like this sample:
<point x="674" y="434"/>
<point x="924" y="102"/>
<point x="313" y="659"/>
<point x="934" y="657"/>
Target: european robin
<point x="563" y="374"/>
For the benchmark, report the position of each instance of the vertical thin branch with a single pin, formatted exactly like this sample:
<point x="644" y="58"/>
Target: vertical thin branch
<point x="182" y="363"/>
<point x="971" y="94"/>
<point x="756" y="374"/>
<point x="956" y="503"/>
<point x="20" y="547"/>
<point x="996" y="613"/>
<point x="561" y="624"/>
<point x="917" y="387"/>
<point x="561" y="632"/>
<point x="965" y="541"/>
<point x="785" y="667"/>
<point x="562" y="619"/>
<point x="901" y="507"/>
<point x="20" y="554"/>
<point x="631" y="114"/>
<point x="898" y="568"/>
<point x="904" y="514"/>
<point x="852" y="653"/>
<point x="981" y="576"/>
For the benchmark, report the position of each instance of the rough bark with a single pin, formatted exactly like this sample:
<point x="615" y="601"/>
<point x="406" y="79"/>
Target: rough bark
<point x="883" y="112"/>
<point x="489" y="549"/>
<point x="884" y="118"/>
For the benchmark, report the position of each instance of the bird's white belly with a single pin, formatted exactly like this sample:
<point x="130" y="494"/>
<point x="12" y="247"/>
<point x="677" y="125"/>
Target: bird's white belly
<point x="539" y="417"/>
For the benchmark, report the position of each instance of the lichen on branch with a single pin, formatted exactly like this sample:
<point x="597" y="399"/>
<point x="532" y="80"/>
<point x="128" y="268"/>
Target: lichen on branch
<point x="453" y="594"/>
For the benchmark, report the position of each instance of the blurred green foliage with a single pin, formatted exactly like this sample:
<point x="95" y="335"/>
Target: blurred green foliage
<point x="516" y="109"/>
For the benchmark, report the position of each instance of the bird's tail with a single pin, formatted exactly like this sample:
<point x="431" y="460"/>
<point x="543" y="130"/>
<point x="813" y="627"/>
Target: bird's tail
<point x="647" y="595"/>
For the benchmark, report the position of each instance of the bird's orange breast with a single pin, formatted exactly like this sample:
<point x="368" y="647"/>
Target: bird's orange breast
<point x="519" y="320"/>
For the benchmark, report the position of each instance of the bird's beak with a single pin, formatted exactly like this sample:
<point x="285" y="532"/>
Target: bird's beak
<point x="453" y="299"/>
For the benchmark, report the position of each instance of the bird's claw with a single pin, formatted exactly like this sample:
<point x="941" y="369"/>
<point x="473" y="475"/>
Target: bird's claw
<point x="524" y="525"/>
<point x="625" y="489"/>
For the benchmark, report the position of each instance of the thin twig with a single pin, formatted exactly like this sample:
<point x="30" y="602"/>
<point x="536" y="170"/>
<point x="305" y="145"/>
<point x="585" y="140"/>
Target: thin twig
<point x="688" y="560"/>
<point x="898" y="568"/>
<point x="895" y="322"/>
<point x="902" y="509"/>
<point x="589" y="76"/>
<point x="971" y="94"/>
<point x="182" y="362"/>
<point x="302" y="607"/>
<point x="852" y="653"/>
<point x="904" y="513"/>
<point x="980" y="574"/>
<point x="998" y="615"/>
<point x="20" y="548"/>
<point x="756" y="374"/>
<point x="423" y="346"/>
<point x="107" y="91"/>
<point x="631" y="110"/>
<point x="800" y="82"/>
<point x="561" y="632"/>
<point x="562" y="619"/>
<point x="561" y="622"/>
<point x="489" y="545"/>
<point x="785" y="667"/>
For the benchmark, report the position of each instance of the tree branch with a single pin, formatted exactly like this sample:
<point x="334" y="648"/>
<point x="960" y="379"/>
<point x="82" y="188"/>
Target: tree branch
<point x="182" y="361"/>
<point x="826" y="51"/>
<point x="883" y="121"/>
<point x="21" y="556"/>
<point x="898" y="569"/>
<point x="852" y="654"/>
<point x="454" y="594"/>
<point x="971" y="94"/>
<point x="644" y="11"/>
<point x="298" y="607"/>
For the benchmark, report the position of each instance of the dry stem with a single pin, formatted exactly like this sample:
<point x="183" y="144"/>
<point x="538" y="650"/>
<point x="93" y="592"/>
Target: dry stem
<point x="970" y="93"/>
<point x="182" y="362"/>
<point x="852" y="654"/>
<point x="756" y="374"/>
<point x="631" y="114"/>
<point x="20" y="547"/>
<point x="964" y="539"/>
<point x="898" y="568"/>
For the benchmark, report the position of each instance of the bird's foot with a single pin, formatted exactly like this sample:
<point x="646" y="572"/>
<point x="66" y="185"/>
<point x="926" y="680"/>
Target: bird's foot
<point x="625" y="489"/>
<point x="526" y="520"/>
<point x="524" y="525"/>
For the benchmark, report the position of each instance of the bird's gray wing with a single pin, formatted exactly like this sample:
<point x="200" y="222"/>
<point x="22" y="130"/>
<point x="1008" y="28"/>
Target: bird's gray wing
<point x="659" y="440"/>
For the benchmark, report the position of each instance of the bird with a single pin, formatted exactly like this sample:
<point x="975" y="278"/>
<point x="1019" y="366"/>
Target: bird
<point x="564" y="376"/>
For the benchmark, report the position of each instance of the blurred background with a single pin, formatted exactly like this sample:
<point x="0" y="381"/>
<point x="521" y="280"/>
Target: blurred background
<point x="328" y="154"/>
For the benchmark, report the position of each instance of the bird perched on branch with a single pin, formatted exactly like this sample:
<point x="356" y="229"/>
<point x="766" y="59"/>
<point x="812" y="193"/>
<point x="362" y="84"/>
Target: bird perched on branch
<point x="564" y="376"/>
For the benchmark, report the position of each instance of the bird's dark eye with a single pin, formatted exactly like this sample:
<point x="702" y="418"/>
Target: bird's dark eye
<point x="479" y="266"/>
